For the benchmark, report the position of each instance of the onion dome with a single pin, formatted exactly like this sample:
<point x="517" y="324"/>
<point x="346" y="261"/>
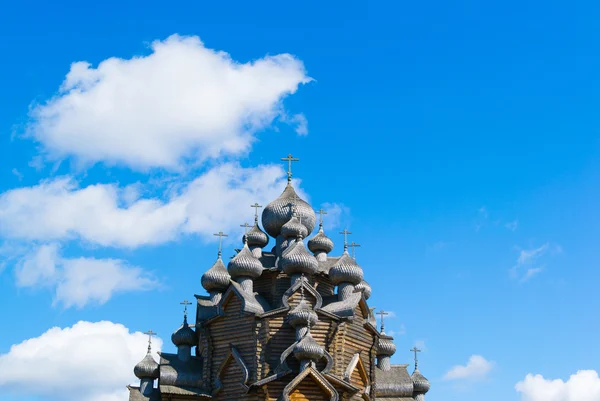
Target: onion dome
<point x="216" y="278"/>
<point x="277" y="213"/>
<point x="294" y="228"/>
<point x="257" y="237"/>
<point x="302" y="315"/>
<point x="245" y="264"/>
<point x="365" y="288"/>
<point x="147" y="368"/>
<point x="345" y="270"/>
<point x="184" y="335"/>
<point x="308" y="349"/>
<point x="386" y="346"/>
<point x="320" y="243"/>
<point x="420" y="383"/>
<point x="297" y="260"/>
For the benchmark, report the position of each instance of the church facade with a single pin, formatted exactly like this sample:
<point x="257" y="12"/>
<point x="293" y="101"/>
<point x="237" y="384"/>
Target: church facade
<point x="289" y="323"/>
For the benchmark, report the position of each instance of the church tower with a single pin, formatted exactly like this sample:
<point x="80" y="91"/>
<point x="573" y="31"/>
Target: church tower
<point x="289" y="323"/>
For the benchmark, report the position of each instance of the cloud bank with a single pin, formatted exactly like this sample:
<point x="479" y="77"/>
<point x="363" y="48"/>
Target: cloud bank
<point x="85" y="362"/>
<point x="582" y="386"/>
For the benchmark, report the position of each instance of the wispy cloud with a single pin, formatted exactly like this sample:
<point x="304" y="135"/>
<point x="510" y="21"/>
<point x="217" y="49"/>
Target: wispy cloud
<point x="512" y="225"/>
<point x="530" y="261"/>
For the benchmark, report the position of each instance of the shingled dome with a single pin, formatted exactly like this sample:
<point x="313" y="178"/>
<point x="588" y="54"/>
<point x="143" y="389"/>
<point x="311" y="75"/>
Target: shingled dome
<point x="147" y="368"/>
<point x="346" y="270"/>
<point x="421" y="384"/>
<point x="302" y="315"/>
<point x="308" y="349"/>
<point x="294" y="228"/>
<point x="320" y="243"/>
<point x="257" y="237"/>
<point x="216" y="278"/>
<point x="244" y="264"/>
<point x="184" y="335"/>
<point x="297" y="260"/>
<point x="278" y="212"/>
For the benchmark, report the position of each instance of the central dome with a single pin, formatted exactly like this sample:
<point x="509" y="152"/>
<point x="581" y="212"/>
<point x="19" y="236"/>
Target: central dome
<point x="279" y="212"/>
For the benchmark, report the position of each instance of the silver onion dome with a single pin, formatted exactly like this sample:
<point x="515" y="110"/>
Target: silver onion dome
<point x="302" y="315"/>
<point x="245" y="264"/>
<point x="308" y="349"/>
<point x="297" y="260"/>
<point x="257" y="237"/>
<point x="184" y="335"/>
<point x="147" y="368"/>
<point x="216" y="278"/>
<point x="365" y="288"/>
<point x="345" y="270"/>
<point x="278" y="212"/>
<point x="294" y="228"/>
<point x="320" y="243"/>
<point x="385" y="345"/>
<point x="420" y="383"/>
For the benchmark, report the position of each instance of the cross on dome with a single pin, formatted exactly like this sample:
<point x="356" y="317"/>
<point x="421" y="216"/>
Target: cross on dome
<point x="290" y="159"/>
<point x="321" y="213"/>
<point x="353" y="245"/>
<point x="345" y="232"/>
<point x="256" y="206"/>
<point x="415" y="350"/>
<point x="220" y="235"/>
<point x="381" y="314"/>
<point x="185" y="304"/>
<point x="150" y="333"/>
<point x="246" y="226"/>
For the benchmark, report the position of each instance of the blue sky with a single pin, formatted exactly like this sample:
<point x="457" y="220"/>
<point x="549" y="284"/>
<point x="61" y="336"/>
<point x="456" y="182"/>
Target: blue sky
<point x="458" y="142"/>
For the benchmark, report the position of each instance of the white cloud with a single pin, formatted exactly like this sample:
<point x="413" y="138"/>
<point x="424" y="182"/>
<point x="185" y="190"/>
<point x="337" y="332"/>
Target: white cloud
<point x="79" y="281"/>
<point x="104" y="214"/>
<point x="181" y="102"/>
<point x="476" y="368"/>
<point x="85" y="362"/>
<point x="582" y="386"/>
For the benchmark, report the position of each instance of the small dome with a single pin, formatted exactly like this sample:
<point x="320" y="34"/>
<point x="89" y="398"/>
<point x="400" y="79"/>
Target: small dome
<point x="245" y="264"/>
<point x="184" y="335"/>
<point x="257" y="237"/>
<point x="386" y="346"/>
<point x="216" y="278"/>
<point x="147" y="368"/>
<point x="420" y="383"/>
<point x="294" y="228"/>
<point x="320" y="243"/>
<point x="302" y="315"/>
<point x="308" y="349"/>
<point x="278" y="212"/>
<point x="346" y="270"/>
<point x="297" y="260"/>
<point x="365" y="288"/>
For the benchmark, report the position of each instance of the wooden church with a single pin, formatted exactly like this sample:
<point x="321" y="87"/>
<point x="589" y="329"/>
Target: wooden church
<point x="289" y="323"/>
